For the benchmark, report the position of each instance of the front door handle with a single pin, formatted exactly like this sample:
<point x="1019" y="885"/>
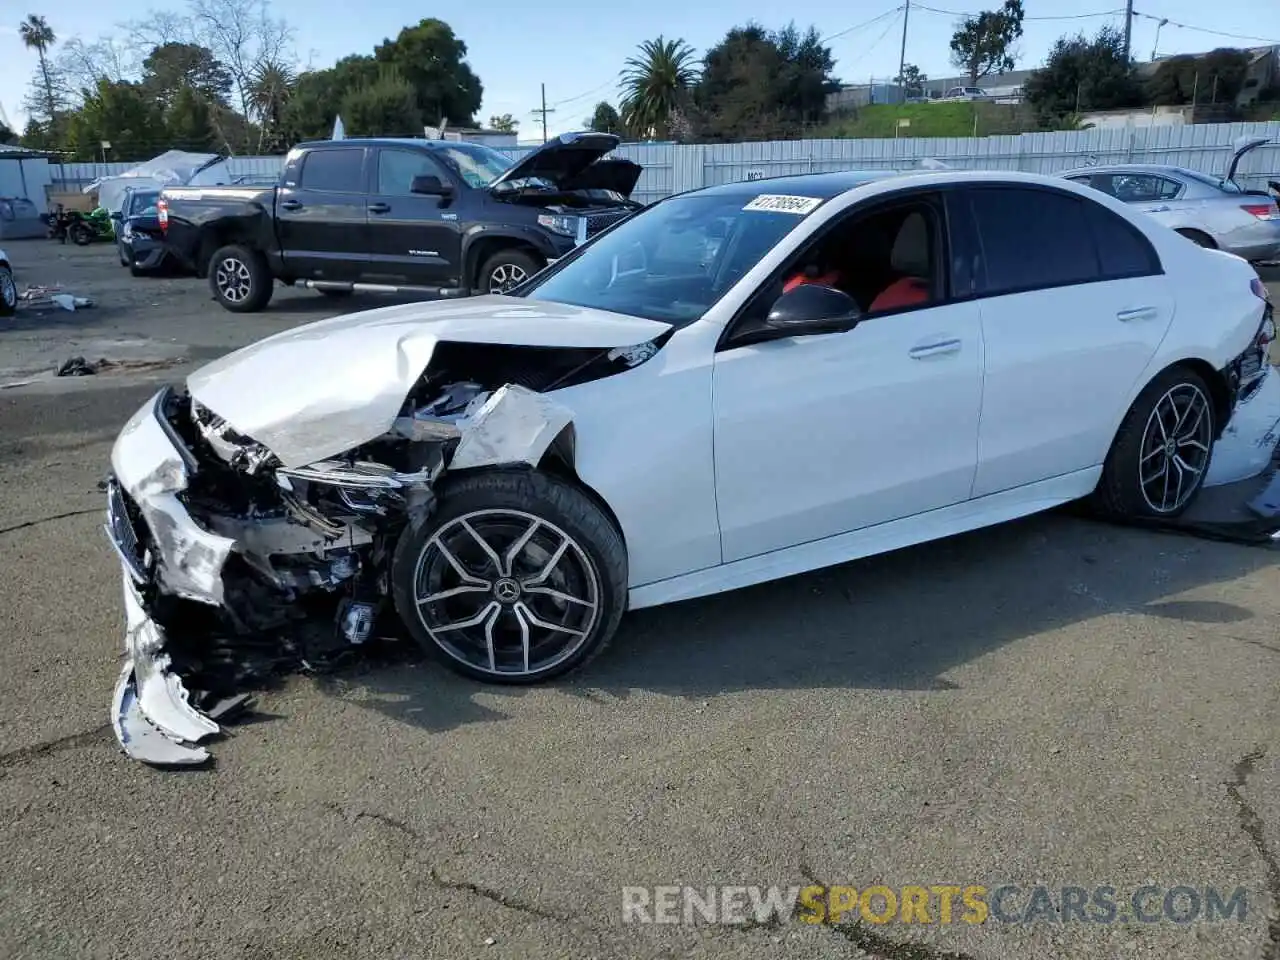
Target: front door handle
<point x="936" y="348"/>
<point x="379" y="207"/>
<point x="290" y="205"/>
<point x="1137" y="313"/>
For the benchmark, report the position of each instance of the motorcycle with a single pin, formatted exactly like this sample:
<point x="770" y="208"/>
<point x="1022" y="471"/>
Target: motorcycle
<point x="81" y="229"/>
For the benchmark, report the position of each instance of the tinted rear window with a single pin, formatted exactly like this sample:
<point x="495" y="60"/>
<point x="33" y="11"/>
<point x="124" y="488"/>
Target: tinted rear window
<point x="1122" y="249"/>
<point x="337" y="170"/>
<point x="1033" y="238"/>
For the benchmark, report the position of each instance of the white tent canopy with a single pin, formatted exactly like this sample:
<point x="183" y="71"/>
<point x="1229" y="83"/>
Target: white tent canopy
<point x="170" y="169"/>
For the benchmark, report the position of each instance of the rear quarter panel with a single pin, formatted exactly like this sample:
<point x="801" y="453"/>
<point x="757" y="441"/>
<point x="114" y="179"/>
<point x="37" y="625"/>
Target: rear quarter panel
<point x="201" y="219"/>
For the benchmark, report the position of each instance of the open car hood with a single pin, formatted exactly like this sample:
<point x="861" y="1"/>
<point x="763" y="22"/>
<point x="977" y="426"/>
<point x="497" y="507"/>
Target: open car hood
<point x="565" y="159"/>
<point x="1242" y="146"/>
<point x="612" y="173"/>
<point x="320" y="389"/>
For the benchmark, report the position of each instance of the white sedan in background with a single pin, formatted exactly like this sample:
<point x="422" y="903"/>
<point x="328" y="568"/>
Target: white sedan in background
<point x="736" y="384"/>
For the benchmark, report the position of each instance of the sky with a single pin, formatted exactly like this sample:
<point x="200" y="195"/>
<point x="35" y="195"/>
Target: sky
<point x="578" y="50"/>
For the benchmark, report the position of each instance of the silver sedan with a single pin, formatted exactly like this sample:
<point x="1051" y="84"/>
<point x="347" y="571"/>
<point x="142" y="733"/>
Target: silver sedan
<point x="1213" y="211"/>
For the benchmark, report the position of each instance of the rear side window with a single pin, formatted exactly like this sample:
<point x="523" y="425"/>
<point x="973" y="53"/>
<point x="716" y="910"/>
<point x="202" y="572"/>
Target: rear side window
<point x="1033" y="239"/>
<point x="336" y="170"/>
<point x="1122" y="249"/>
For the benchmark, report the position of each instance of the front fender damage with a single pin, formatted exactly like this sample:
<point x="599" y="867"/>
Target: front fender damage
<point x="235" y="566"/>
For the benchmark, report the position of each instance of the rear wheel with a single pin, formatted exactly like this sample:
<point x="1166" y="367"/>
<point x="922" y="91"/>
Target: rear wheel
<point x="81" y="234"/>
<point x="506" y="269"/>
<point x="1161" y="453"/>
<point x="8" y="293"/>
<point x="240" y="279"/>
<point x="518" y="577"/>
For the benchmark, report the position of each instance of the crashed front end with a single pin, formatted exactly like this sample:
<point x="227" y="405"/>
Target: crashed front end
<point x="235" y="565"/>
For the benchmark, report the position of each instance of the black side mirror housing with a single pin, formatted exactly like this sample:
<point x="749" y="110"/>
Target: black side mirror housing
<point x="117" y="215"/>
<point x="812" y="308"/>
<point x="431" y="186"/>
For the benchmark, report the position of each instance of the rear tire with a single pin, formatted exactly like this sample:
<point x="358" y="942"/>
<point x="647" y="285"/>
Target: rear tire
<point x="553" y="598"/>
<point x="507" y="269"/>
<point x="1167" y="434"/>
<point x="8" y="293"/>
<point x="81" y="234"/>
<point x="240" y="279"/>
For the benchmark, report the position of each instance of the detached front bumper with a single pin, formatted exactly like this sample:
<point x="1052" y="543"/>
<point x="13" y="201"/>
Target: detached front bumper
<point x="162" y="550"/>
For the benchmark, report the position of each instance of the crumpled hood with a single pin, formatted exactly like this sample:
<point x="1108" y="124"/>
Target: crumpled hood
<point x="320" y="389"/>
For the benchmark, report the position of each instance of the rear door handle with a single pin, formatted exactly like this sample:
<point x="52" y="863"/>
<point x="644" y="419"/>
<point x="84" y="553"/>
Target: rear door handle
<point x="935" y="348"/>
<point x="379" y="208"/>
<point x="290" y="205"/>
<point x="1137" y="313"/>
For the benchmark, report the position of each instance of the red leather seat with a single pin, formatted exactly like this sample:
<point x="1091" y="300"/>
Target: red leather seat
<point x="907" y="292"/>
<point x="909" y="257"/>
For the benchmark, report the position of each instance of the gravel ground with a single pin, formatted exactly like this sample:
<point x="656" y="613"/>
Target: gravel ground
<point x="1053" y="702"/>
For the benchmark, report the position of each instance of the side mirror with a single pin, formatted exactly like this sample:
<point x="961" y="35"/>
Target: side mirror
<point x="812" y="308"/>
<point x="117" y="215"/>
<point x="431" y="186"/>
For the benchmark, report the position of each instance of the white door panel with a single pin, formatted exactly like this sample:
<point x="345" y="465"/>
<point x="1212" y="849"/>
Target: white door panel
<point x="1060" y="365"/>
<point x="820" y="435"/>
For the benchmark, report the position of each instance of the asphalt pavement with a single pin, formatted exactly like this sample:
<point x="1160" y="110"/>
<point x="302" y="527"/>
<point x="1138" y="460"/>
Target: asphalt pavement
<point x="1055" y="702"/>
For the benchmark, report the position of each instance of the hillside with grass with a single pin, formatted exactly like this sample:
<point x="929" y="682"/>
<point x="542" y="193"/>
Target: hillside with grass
<point x="950" y="119"/>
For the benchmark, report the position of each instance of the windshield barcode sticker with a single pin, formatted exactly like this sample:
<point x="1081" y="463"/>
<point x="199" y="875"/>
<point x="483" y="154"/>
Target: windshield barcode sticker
<point x="783" y="204"/>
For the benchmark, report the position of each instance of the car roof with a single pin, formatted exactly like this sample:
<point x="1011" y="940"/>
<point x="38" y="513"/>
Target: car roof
<point x="388" y="142"/>
<point x="825" y="186"/>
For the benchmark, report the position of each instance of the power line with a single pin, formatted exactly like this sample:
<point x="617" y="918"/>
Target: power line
<point x="861" y="26"/>
<point x="591" y="92"/>
<point x="1064" y="16"/>
<point x="877" y="41"/>
<point x="1217" y="33"/>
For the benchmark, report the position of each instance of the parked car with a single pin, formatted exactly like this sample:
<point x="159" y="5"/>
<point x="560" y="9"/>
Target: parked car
<point x="1211" y="211"/>
<point x="736" y="384"/>
<point x="432" y="216"/>
<point x="964" y="93"/>
<point x="139" y="240"/>
<point x="8" y="288"/>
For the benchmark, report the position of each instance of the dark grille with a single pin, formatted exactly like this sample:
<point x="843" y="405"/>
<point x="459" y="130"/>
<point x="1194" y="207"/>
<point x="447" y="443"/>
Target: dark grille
<point x="123" y="522"/>
<point x="598" y="221"/>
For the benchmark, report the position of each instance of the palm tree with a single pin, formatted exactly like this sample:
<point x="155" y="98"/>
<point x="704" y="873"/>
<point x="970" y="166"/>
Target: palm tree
<point x="656" y="82"/>
<point x="270" y="87"/>
<point x="37" y="35"/>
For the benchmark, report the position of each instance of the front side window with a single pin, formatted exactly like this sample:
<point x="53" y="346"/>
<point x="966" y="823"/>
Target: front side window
<point x="674" y="260"/>
<point x="334" y="170"/>
<point x="397" y="168"/>
<point x="478" y="165"/>
<point x="1033" y="238"/>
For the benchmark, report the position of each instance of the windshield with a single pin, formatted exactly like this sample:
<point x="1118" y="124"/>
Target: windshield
<point x="143" y="204"/>
<point x="672" y="261"/>
<point x="478" y="165"/>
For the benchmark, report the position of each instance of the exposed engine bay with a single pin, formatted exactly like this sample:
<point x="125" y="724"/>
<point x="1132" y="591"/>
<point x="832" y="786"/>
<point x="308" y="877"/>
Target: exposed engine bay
<point x="237" y="567"/>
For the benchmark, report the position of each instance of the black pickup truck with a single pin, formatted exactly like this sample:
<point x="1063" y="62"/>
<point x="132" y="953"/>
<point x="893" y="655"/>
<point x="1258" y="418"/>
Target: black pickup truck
<point x="439" y="217"/>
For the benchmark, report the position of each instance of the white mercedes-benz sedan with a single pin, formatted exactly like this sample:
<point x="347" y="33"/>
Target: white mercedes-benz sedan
<point x="733" y="385"/>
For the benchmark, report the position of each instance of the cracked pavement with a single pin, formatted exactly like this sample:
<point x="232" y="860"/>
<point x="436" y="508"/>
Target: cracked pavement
<point x="1053" y="702"/>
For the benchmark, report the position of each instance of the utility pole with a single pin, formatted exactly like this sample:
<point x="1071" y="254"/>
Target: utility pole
<point x="543" y="112"/>
<point x="902" y="55"/>
<point x="1128" y="27"/>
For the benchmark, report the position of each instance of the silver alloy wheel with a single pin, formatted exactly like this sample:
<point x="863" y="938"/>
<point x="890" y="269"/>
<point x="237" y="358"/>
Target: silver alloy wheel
<point x="506" y="593"/>
<point x="233" y="280"/>
<point x="505" y="276"/>
<point x="1175" y="448"/>
<point x="8" y="290"/>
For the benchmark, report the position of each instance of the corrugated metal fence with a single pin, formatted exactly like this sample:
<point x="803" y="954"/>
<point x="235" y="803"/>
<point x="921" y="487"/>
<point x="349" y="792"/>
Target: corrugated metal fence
<point x="673" y="168"/>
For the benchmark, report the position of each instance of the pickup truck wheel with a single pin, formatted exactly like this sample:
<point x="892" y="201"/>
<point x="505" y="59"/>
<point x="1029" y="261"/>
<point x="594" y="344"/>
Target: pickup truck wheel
<point x="240" y="279"/>
<point x="506" y="269"/>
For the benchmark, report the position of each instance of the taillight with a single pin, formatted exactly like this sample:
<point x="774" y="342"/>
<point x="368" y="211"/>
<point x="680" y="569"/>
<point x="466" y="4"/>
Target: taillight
<point x="1263" y="211"/>
<point x="1260" y="289"/>
<point x="162" y="213"/>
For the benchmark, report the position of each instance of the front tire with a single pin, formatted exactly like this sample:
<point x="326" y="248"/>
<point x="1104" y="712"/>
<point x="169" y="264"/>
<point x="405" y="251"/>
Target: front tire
<point x="1161" y="453"/>
<point x="518" y="577"/>
<point x="507" y="269"/>
<point x="80" y="233"/>
<point x="240" y="279"/>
